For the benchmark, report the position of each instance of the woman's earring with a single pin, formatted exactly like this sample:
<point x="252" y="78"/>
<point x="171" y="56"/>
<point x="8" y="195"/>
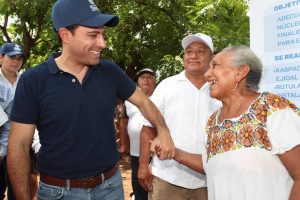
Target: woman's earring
<point x="236" y="85"/>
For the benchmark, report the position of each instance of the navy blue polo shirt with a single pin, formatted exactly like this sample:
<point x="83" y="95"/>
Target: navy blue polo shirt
<point x="75" y="121"/>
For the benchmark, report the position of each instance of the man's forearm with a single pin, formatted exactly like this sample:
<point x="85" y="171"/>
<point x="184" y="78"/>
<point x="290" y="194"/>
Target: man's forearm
<point x="151" y="113"/>
<point x="18" y="162"/>
<point x="144" y="172"/>
<point x="124" y="144"/>
<point x="124" y="138"/>
<point x="147" y="135"/>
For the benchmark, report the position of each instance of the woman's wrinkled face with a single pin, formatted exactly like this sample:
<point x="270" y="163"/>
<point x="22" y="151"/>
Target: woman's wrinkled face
<point x="221" y="75"/>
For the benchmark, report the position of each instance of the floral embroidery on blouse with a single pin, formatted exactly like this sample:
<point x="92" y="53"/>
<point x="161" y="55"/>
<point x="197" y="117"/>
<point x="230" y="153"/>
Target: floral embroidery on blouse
<point x="227" y="140"/>
<point x="249" y="130"/>
<point x="246" y="135"/>
<point x="262" y="138"/>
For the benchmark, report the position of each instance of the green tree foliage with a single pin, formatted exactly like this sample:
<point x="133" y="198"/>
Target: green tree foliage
<point x="149" y="33"/>
<point x="27" y="22"/>
<point x="225" y="20"/>
<point x="169" y="66"/>
<point x="148" y="30"/>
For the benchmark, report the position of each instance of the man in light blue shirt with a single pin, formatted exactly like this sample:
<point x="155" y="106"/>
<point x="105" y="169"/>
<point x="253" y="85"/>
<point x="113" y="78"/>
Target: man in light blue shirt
<point x="11" y="58"/>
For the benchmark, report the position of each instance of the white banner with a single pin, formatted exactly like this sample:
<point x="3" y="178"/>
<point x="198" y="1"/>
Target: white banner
<point x="275" y="37"/>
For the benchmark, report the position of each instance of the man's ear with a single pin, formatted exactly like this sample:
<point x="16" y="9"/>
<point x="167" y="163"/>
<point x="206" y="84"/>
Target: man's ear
<point x="64" y="34"/>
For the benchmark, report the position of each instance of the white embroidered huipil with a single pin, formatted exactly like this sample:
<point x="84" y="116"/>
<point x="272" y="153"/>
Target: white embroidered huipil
<point x="242" y="153"/>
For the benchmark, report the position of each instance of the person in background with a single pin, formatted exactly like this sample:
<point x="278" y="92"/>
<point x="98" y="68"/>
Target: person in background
<point x="12" y="59"/>
<point x="70" y="99"/>
<point x="5" y="98"/>
<point x="185" y="103"/>
<point x="131" y="124"/>
<point x="252" y="144"/>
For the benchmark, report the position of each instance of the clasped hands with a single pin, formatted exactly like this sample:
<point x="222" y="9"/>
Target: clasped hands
<point x="164" y="148"/>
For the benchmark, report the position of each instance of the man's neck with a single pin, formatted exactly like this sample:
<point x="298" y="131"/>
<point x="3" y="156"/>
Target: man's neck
<point x="77" y="70"/>
<point x="147" y="92"/>
<point x="197" y="80"/>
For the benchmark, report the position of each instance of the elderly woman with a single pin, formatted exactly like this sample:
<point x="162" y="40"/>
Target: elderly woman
<point x="252" y="149"/>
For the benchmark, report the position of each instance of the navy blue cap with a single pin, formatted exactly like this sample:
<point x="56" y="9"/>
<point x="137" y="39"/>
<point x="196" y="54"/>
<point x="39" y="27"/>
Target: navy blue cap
<point x="80" y="12"/>
<point x="12" y="49"/>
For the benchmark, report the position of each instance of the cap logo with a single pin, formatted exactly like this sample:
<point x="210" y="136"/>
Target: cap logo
<point x="93" y="6"/>
<point x="17" y="48"/>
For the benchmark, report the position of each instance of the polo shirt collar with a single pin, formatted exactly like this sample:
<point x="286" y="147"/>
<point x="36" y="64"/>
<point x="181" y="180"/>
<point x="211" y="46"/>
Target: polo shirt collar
<point x="52" y="66"/>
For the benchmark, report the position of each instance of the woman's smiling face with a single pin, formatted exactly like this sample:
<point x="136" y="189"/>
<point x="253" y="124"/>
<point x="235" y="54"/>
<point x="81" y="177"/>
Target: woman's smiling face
<point x="221" y="75"/>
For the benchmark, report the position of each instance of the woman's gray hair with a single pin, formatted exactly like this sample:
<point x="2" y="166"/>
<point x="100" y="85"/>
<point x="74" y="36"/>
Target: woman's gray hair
<point x="243" y="55"/>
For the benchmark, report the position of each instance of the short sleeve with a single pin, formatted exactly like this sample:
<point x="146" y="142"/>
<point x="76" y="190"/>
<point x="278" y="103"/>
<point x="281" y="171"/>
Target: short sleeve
<point x="126" y="87"/>
<point x="25" y="107"/>
<point x="284" y="130"/>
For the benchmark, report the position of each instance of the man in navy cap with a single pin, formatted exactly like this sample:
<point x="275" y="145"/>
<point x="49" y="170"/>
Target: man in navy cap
<point x="11" y="60"/>
<point x="71" y="98"/>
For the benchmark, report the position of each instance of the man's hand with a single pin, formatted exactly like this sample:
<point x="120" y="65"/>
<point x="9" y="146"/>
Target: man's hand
<point x="145" y="177"/>
<point x="165" y="144"/>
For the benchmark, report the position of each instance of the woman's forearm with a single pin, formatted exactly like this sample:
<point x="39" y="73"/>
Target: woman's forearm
<point x="193" y="161"/>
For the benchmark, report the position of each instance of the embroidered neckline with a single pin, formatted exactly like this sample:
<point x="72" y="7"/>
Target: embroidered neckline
<point x="249" y="130"/>
<point x="240" y="116"/>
